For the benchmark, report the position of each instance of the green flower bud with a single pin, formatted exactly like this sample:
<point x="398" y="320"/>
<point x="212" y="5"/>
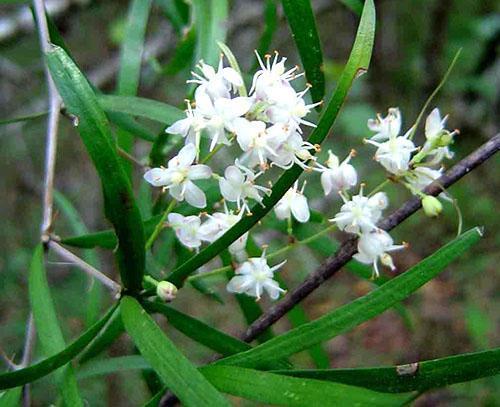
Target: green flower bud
<point x="432" y="206"/>
<point x="166" y="291"/>
<point x="445" y="139"/>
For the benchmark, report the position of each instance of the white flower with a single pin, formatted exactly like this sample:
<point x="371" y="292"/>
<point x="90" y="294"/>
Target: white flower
<point x="293" y="203"/>
<point x="220" y="114"/>
<point x="191" y="127"/>
<point x="166" y="291"/>
<point x="361" y="213"/>
<point x="272" y="76"/>
<point x="186" y="229"/>
<point x="253" y="277"/>
<point x="258" y="142"/>
<point x="216" y="84"/>
<point x="178" y="177"/>
<point x="375" y="246"/>
<point x="420" y="177"/>
<point x="437" y="138"/>
<point x="293" y="150"/>
<point x="238" y="185"/>
<point x="394" y="154"/>
<point x="218" y="224"/>
<point x="337" y="176"/>
<point x="386" y="127"/>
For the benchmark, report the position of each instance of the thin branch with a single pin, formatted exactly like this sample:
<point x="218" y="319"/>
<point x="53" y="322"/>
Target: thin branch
<point x="29" y="344"/>
<point x="87" y="268"/>
<point x="334" y="263"/>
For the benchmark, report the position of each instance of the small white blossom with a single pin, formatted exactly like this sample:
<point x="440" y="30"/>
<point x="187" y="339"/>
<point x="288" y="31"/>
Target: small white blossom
<point x="257" y="142"/>
<point x="420" y="177"/>
<point x="361" y="213"/>
<point x="191" y="127"/>
<point x="238" y="185"/>
<point x="178" y="177"/>
<point x="293" y="150"/>
<point x="186" y="229"/>
<point x="253" y="277"/>
<point x="375" y="246"/>
<point x="386" y="127"/>
<point x="216" y="84"/>
<point x="337" y="176"/>
<point x="294" y="202"/>
<point x="437" y="138"/>
<point x="220" y="114"/>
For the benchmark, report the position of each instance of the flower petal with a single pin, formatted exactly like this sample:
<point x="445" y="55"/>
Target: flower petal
<point x="300" y="208"/>
<point x="194" y="195"/>
<point x="157" y="177"/>
<point x="200" y="171"/>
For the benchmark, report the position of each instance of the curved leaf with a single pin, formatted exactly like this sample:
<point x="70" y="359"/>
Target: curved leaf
<point x="181" y="377"/>
<point x="94" y="130"/>
<point x="112" y="365"/>
<point x="47" y="327"/>
<point x="363" y="309"/>
<point x="302" y="23"/>
<point x="46" y="366"/>
<point x="269" y="388"/>
<point x="357" y="63"/>
<point x="421" y="376"/>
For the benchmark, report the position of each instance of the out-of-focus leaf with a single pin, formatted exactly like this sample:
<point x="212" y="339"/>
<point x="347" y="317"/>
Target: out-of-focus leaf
<point x="47" y="327"/>
<point x="183" y="53"/>
<point x="94" y="130"/>
<point x="421" y="376"/>
<point x="182" y="378"/>
<point x="363" y="309"/>
<point x="43" y="368"/>
<point x="128" y="123"/>
<point x="11" y="398"/>
<point x="358" y="62"/>
<point x="177" y="11"/>
<point x="302" y="23"/>
<point x="356" y="6"/>
<point x="141" y="107"/>
<point x="271" y="389"/>
<point x="112" y="365"/>
<point x="23" y="118"/>
<point x="270" y="25"/>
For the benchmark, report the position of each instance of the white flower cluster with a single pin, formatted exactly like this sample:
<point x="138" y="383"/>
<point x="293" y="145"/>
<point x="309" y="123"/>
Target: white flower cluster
<point x="265" y="125"/>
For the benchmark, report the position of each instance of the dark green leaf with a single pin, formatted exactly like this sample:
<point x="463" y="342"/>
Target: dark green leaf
<point x="357" y="64"/>
<point x="363" y="309"/>
<point x="47" y="327"/>
<point x="183" y="53"/>
<point x="128" y="123"/>
<point x="46" y="366"/>
<point x="177" y="11"/>
<point x="136" y="106"/>
<point x="270" y="25"/>
<point x="181" y="377"/>
<point x="269" y="388"/>
<point x="94" y="130"/>
<point x="302" y="23"/>
<point x="421" y="376"/>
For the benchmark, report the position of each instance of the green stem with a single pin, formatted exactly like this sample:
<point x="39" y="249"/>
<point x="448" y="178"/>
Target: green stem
<point x="209" y="156"/>
<point x="159" y="225"/>
<point x="379" y="187"/>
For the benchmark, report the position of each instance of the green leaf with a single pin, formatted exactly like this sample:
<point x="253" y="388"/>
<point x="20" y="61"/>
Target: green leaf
<point x="32" y="116"/>
<point x="46" y="366"/>
<point x="183" y="53"/>
<point x="112" y="365"/>
<point x="357" y="63"/>
<point x="76" y="223"/>
<point x="270" y="26"/>
<point x="356" y="6"/>
<point x="128" y="123"/>
<point x="181" y="377"/>
<point x="269" y="388"/>
<point x="302" y="23"/>
<point x="363" y="309"/>
<point x="120" y="206"/>
<point x="141" y="107"/>
<point x="421" y="376"/>
<point x="11" y="398"/>
<point x="210" y="25"/>
<point x="47" y="327"/>
<point x="177" y="11"/>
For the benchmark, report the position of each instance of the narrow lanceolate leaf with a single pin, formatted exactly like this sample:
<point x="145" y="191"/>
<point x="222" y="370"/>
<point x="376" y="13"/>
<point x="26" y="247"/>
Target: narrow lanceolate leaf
<point x="420" y="376"/>
<point x="363" y="309"/>
<point x="269" y="388"/>
<point x="141" y="107"/>
<point x="129" y="73"/>
<point x="112" y="365"/>
<point x="47" y="327"/>
<point x="302" y="23"/>
<point x="181" y="377"/>
<point x="11" y="398"/>
<point x="43" y="368"/>
<point x="93" y="126"/>
<point x="270" y="25"/>
<point x="357" y="63"/>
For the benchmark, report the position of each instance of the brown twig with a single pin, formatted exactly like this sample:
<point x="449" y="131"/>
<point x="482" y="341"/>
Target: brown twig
<point x="334" y="263"/>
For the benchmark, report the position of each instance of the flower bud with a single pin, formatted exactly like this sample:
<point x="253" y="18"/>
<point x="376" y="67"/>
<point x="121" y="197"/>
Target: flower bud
<point x="166" y="291"/>
<point x="432" y="206"/>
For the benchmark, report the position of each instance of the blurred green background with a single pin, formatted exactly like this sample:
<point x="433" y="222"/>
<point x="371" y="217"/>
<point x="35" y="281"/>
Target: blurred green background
<point x="415" y="43"/>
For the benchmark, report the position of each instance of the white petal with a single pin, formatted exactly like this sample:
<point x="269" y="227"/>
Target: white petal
<point x="239" y="284"/>
<point x="326" y="182"/>
<point x="200" y="171"/>
<point x="234" y="175"/>
<point x="273" y="289"/>
<point x="195" y="196"/>
<point x="157" y="177"/>
<point x="282" y="210"/>
<point x="175" y="219"/>
<point x="433" y="124"/>
<point x="300" y="208"/>
<point x="186" y="155"/>
<point x="228" y="191"/>
<point x="233" y="77"/>
<point x="203" y="101"/>
<point x="176" y="192"/>
<point x="180" y="127"/>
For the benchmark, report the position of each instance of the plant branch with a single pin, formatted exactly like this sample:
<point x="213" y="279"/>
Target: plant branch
<point x="87" y="268"/>
<point x="334" y="263"/>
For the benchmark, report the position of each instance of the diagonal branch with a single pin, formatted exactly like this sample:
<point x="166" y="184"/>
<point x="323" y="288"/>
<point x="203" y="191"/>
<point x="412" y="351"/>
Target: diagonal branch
<point x="334" y="263"/>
